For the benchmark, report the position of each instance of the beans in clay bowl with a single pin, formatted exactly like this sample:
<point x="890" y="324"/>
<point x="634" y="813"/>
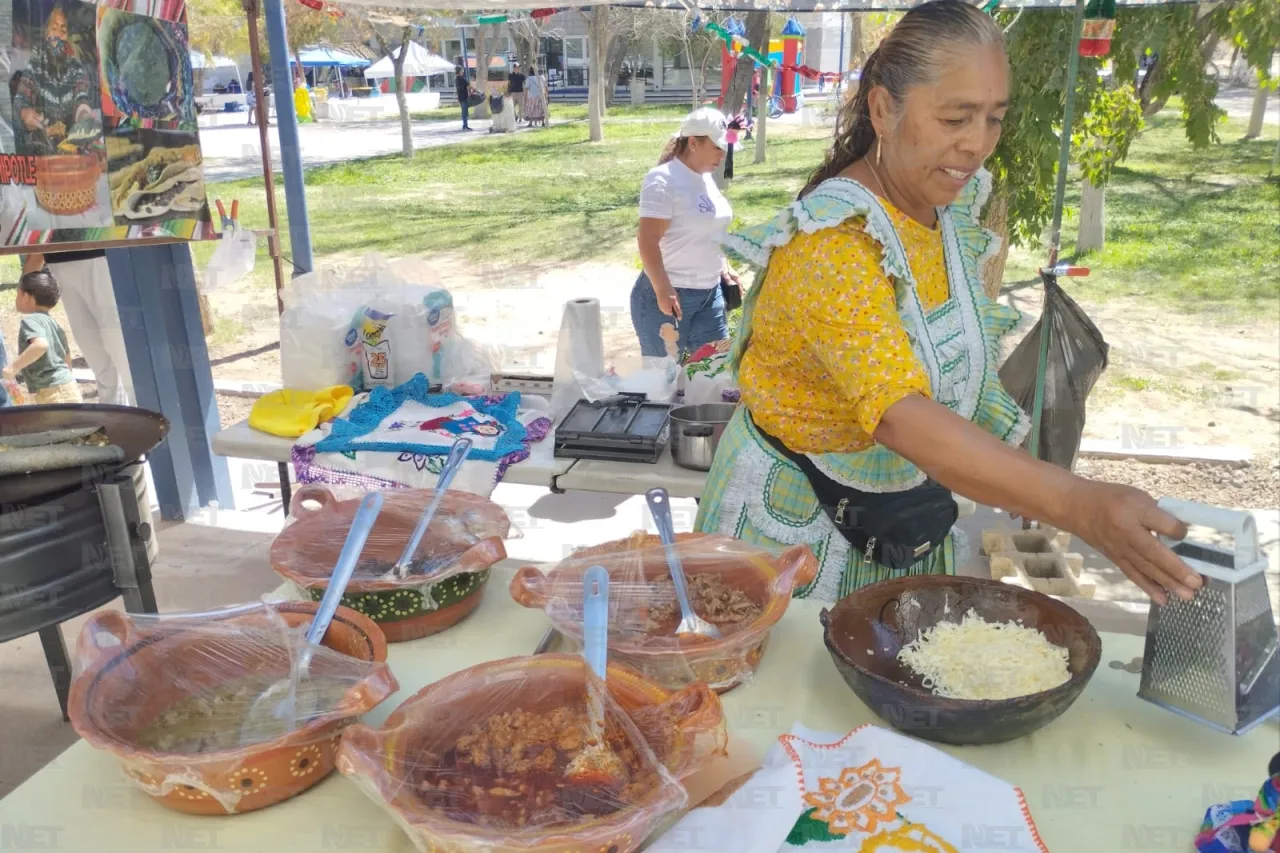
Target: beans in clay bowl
<point x="740" y="588"/>
<point x="173" y="698"/>
<point x="445" y="580"/>
<point x="501" y="757"/>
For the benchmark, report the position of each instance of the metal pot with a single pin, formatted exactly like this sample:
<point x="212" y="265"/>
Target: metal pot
<point x="696" y="431"/>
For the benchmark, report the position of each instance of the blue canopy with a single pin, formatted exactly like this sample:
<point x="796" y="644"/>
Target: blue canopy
<point x="321" y="57"/>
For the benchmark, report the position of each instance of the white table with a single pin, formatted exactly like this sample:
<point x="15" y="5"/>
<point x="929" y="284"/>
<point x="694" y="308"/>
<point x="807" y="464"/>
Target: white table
<point x="542" y="468"/>
<point x="241" y="441"/>
<point x="1112" y="773"/>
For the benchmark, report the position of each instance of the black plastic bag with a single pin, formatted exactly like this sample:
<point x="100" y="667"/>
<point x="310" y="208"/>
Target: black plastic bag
<point x="1077" y="356"/>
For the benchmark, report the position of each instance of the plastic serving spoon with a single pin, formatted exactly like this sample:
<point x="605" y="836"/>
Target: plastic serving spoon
<point x="690" y="622"/>
<point x="596" y="765"/>
<point x="276" y="707"/>
<point x="457" y="455"/>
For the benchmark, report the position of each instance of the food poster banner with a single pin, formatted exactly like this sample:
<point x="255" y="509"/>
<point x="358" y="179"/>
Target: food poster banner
<point x="98" y="133"/>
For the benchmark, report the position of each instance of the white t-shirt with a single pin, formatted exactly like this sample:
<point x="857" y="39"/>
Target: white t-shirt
<point x="699" y="215"/>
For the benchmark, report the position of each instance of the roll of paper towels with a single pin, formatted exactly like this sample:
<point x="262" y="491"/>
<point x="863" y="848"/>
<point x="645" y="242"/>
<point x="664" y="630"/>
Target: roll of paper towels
<point x="580" y="349"/>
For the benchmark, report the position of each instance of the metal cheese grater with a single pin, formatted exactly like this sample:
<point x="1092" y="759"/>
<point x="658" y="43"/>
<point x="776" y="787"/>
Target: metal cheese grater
<point x="1213" y="659"/>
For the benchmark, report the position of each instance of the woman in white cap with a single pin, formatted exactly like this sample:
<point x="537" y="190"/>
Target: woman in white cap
<point x="683" y="218"/>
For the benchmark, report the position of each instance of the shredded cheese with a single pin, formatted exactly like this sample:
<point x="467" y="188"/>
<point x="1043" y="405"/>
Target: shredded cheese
<point x="977" y="659"/>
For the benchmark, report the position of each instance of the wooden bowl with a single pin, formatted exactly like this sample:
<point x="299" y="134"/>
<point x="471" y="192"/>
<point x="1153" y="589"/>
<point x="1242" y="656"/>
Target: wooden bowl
<point x="865" y="631"/>
<point x="67" y="184"/>
<point x="124" y="688"/>
<point x="724" y="663"/>
<point x="684" y="730"/>
<point x="306" y="551"/>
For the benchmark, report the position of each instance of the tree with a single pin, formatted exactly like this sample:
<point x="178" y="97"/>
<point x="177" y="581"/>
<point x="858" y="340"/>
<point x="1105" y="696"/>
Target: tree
<point x="1024" y="164"/>
<point x="401" y="51"/>
<point x="1100" y="140"/>
<point x="598" y="46"/>
<point x="217" y="27"/>
<point x="744" y="70"/>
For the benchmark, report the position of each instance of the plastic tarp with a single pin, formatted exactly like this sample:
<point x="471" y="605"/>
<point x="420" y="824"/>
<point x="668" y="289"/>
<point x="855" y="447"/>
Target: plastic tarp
<point x="198" y="61"/>
<point x="320" y="57"/>
<point x="420" y="62"/>
<point x="1076" y="358"/>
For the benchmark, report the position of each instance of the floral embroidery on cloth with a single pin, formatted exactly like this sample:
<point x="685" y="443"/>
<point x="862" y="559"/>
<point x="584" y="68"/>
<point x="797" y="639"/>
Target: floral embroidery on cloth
<point x="870" y="791"/>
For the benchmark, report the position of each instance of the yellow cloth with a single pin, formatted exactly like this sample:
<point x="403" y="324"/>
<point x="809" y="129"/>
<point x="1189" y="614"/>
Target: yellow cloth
<point x="290" y="414"/>
<point x="829" y="354"/>
<point x="68" y="392"/>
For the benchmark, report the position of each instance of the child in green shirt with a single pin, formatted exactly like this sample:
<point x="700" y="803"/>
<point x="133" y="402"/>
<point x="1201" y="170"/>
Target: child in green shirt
<point x="42" y="345"/>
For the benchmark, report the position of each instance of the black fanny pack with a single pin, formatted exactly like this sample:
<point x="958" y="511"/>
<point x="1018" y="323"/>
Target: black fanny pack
<point x="894" y="529"/>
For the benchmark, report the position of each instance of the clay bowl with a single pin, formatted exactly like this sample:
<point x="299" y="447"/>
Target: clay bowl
<point x="125" y="687"/>
<point x="306" y="551"/>
<point x="865" y="631"/>
<point x="724" y="663"/>
<point x="67" y="184"/>
<point x="684" y="730"/>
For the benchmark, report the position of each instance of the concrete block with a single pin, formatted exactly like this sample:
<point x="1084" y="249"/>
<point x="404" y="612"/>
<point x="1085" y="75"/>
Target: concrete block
<point x="1035" y="559"/>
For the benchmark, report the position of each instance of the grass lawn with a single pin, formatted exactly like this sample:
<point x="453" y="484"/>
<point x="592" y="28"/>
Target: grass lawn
<point x="1190" y="230"/>
<point x="574" y="112"/>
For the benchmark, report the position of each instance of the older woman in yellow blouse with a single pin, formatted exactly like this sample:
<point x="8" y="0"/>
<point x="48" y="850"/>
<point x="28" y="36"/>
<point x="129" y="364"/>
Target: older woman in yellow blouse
<point x="869" y="351"/>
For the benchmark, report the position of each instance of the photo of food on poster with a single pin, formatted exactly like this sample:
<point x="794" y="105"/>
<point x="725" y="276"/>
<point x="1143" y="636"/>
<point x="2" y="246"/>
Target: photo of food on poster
<point x="98" y="133"/>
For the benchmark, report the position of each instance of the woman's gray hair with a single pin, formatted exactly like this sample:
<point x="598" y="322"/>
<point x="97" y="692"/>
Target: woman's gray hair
<point x="913" y="54"/>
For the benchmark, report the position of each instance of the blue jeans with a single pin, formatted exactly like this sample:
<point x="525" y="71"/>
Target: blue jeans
<point x="703" y="318"/>
<point x="466" y="115"/>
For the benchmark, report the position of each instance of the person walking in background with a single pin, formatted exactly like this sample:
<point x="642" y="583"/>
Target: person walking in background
<point x="462" y="86"/>
<point x="535" y="99"/>
<point x="683" y="218"/>
<point x="515" y="90"/>
<point x="88" y="297"/>
<point x="42" y="345"/>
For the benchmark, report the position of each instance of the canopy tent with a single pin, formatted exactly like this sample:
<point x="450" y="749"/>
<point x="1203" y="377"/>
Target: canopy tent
<point x="200" y="63"/>
<point x="322" y="57"/>
<point x="419" y="62"/>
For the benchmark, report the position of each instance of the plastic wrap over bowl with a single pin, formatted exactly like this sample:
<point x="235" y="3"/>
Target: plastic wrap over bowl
<point x="138" y="672"/>
<point x="642" y="612"/>
<point x="414" y="765"/>
<point x="451" y="565"/>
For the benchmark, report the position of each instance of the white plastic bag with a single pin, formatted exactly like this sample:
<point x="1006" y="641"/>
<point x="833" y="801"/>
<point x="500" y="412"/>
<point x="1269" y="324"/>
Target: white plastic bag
<point x="318" y="346"/>
<point x="233" y="258"/>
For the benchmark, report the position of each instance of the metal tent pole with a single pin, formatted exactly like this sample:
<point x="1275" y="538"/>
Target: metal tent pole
<point x="295" y="198"/>
<point x="1055" y="233"/>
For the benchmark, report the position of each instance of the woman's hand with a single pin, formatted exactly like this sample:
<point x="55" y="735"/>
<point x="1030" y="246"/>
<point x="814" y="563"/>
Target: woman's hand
<point x="1119" y="521"/>
<point x="668" y="300"/>
<point x="9" y="372"/>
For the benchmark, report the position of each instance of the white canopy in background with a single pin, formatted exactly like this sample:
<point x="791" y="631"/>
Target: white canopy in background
<point x="198" y="61"/>
<point x="419" y="63"/>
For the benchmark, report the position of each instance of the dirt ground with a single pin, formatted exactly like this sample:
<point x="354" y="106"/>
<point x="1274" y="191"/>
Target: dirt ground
<point x="1173" y="381"/>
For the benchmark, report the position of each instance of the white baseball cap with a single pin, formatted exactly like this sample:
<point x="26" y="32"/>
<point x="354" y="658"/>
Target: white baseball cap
<point x="707" y="122"/>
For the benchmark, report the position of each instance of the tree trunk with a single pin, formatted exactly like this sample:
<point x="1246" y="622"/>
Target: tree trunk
<point x="744" y="71"/>
<point x="857" y="55"/>
<point x="1093" y="218"/>
<point x="402" y="97"/>
<point x="762" y="114"/>
<point x="598" y="36"/>
<point x="1259" y="112"/>
<point x="996" y="218"/>
<point x="619" y="47"/>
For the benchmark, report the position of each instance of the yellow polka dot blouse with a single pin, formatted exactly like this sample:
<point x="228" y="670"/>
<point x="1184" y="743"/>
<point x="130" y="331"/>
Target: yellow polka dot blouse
<point x="828" y="353"/>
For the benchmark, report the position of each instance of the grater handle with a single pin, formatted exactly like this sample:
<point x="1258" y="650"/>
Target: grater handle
<point x="1240" y="525"/>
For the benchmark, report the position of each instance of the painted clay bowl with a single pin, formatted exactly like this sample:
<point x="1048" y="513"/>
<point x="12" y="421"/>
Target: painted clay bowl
<point x="724" y="663"/>
<point x="127" y="685"/>
<point x="685" y="730"/>
<point x="865" y="631"/>
<point x="467" y="532"/>
<point x="67" y="184"/>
